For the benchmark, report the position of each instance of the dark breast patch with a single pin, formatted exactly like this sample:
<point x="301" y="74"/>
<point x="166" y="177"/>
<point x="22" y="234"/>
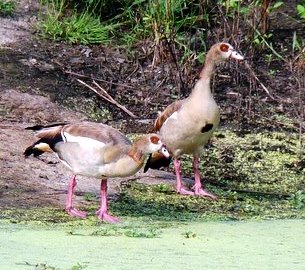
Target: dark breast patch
<point x="206" y="128"/>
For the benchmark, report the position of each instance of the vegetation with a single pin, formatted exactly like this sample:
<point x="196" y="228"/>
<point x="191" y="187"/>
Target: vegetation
<point x="178" y="33"/>
<point x="301" y="10"/>
<point x="44" y="266"/>
<point x="84" y="28"/>
<point x="7" y="7"/>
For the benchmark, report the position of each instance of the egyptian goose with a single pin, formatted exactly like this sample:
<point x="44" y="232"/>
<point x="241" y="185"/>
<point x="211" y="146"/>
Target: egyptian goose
<point x="187" y="125"/>
<point x="95" y="150"/>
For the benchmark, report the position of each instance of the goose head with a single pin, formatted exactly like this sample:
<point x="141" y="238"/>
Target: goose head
<point x="227" y="51"/>
<point x="155" y="145"/>
<point x="219" y="52"/>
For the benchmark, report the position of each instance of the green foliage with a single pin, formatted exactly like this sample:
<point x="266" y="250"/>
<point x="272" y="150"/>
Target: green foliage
<point x="7" y="7"/>
<point x="44" y="266"/>
<point x="84" y="28"/>
<point x="298" y="200"/>
<point x="301" y="10"/>
<point x="150" y="233"/>
<point x="39" y="266"/>
<point x="163" y="188"/>
<point x="233" y="7"/>
<point x="79" y="266"/>
<point x="172" y="30"/>
<point x="89" y="196"/>
<point x="129" y="231"/>
<point x="298" y="45"/>
<point x="275" y="6"/>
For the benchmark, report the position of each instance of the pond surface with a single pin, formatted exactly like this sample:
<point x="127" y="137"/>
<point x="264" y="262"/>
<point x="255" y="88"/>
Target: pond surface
<point x="276" y="244"/>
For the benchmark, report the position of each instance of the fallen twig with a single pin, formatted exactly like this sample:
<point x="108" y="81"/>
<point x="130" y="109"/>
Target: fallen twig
<point x="104" y="94"/>
<point x="258" y="80"/>
<point x="96" y="79"/>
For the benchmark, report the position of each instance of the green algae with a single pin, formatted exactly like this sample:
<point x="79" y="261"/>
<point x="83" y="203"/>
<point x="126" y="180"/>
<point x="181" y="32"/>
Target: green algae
<point x="230" y="205"/>
<point x="276" y="244"/>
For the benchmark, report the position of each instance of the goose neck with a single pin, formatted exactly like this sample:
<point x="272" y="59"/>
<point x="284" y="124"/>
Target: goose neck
<point x="208" y="68"/>
<point x="136" y="153"/>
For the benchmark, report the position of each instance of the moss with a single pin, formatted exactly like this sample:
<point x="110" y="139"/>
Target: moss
<point x="266" y="162"/>
<point x="140" y="200"/>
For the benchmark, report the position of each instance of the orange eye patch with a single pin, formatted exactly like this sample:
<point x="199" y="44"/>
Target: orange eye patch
<point x="154" y="139"/>
<point x="224" y="47"/>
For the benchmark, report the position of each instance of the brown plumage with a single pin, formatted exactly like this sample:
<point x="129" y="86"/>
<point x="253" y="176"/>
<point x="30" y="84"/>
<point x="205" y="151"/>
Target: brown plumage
<point x="175" y="106"/>
<point x="95" y="150"/>
<point x="187" y="125"/>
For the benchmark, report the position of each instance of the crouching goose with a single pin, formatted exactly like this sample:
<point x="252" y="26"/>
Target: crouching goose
<point x="187" y="125"/>
<point x="95" y="150"/>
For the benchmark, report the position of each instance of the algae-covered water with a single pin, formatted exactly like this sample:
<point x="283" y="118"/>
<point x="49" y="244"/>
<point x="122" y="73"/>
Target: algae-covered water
<point x="274" y="244"/>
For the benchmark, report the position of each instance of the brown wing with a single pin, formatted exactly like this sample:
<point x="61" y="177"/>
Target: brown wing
<point x="97" y="131"/>
<point x="175" y="106"/>
<point x="50" y="135"/>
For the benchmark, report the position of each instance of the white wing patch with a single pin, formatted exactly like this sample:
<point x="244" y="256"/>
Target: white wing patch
<point x="173" y="116"/>
<point x="83" y="141"/>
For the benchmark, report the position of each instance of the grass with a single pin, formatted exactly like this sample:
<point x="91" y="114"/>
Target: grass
<point x="83" y="28"/>
<point x="129" y="23"/>
<point x="7" y="7"/>
<point x="181" y="25"/>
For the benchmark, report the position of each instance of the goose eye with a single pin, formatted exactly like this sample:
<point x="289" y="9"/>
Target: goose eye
<point x="154" y="139"/>
<point x="224" y="47"/>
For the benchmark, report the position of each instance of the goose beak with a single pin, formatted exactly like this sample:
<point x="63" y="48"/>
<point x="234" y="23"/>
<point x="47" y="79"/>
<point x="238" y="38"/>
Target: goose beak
<point x="164" y="151"/>
<point x="236" y="55"/>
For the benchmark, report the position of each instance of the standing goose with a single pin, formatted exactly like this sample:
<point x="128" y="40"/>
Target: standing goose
<point x="185" y="126"/>
<point x="96" y="150"/>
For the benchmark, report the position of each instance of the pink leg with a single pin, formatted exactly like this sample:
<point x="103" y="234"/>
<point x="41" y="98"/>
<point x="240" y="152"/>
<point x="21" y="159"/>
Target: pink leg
<point x="102" y="213"/>
<point x="69" y="206"/>
<point x="179" y="188"/>
<point x="198" y="186"/>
